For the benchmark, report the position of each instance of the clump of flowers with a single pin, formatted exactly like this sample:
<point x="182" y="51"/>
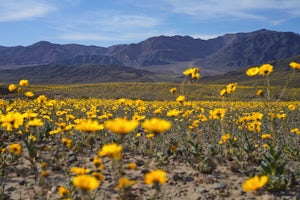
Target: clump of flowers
<point x="263" y="70"/>
<point x="89" y="126"/>
<point x="194" y="73"/>
<point x="217" y="114"/>
<point x="230" y="88"/>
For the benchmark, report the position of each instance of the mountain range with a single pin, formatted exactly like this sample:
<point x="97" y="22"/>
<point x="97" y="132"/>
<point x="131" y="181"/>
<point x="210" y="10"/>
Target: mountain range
<point x="161" y="58"/>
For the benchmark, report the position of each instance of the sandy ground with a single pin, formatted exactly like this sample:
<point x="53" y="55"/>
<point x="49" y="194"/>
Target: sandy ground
<point x="183" y="181"/>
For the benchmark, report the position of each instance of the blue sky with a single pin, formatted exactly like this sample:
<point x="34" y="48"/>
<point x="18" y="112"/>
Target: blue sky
<point x="109" y="22"/>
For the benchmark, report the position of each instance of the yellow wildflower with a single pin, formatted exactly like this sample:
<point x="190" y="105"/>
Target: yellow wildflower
<point x="79" y="170"/>
<point x="12" y="87"/>
<point x="192" y="72"/>
<point x="217" y="113"/>
<point x="259" y="92"/>
<point x="67" y="142"/>
<point x="265" y="146"/>
<point x="85" y="182"/>
<point x="157" y="111"/>
<point x="173" y="90"/>
<point x="41" y="98"/>
<point x="88" y="126"/>
<point x="32" y="137"/>
<point x="3" y="150"/>
<point x="15" y="149"/>
<point x="35" y="122"/>
<point x="43" y="165"/>
<point x="44" y="173"/>
<point x="291" y="107"/>
<point x="113" y="151"/>
<point x="24" y="82"/>
<point x="266" y="136"/>
<point x="223" y="92"/>
<point x="98" y="163"/>
<point x="180" y="98"/>
<point x="138" y="135"/>
<point x="125" y="182"/>
<point x="156" y="125"/>
<point x="173" y="113"/>
<point x="255" y="183"/>
<point x="63" y="192"/>
<point x="155" y="177"/>
<point x="132" y="165"/>
<point x="12" y="120"/>
<point x="121" y="126"/>
<point x="225" y="137"/>
<point x="149" y="135"/>
<point x="294" y="65"/>
<point x="253" y="71"/>
<point x="29" y="94"/>
<point x="295" y="130"/>
<point x="265" y="69"/>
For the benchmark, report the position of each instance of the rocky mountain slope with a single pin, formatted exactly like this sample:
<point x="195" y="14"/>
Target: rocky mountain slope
<point x="229" y="51"/>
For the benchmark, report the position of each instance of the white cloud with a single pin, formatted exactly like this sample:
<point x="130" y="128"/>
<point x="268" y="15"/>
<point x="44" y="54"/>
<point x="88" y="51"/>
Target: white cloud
<point x="16" y="10"/>
<point x="104" y="26"/>
<point x="205" y="36"/>
<point x="234" y="9"/>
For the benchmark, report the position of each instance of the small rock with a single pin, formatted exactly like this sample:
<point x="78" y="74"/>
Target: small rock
<point x="10" y="189"/>
<point x="201" y="189"/>
<point x="72" y="159"/>
<point x="145" y="171"/>
<point x="219" y="186"/>
<point x="176" y="177"/>
<point x="188" y="179"/>
<point x="22" y="182"/>
<point x="140" y="163"/>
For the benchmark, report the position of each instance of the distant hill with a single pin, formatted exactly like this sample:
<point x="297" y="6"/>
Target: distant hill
<point x="156" y="58"/>
<point x="230" y="50"/>
<point x="69" y="74"/>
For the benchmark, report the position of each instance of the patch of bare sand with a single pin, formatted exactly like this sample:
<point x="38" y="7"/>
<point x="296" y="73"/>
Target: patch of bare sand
<point x="184" y="183"/>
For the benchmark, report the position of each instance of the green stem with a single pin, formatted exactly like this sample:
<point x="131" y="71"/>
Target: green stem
<point x="286" y="84"/>
<point x="268" y="87"/>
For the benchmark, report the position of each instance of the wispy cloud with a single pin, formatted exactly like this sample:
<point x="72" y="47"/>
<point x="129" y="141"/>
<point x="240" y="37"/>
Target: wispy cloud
<point x="113" y="27"/>
<point x="234" y="9"/>
<point x="15" y="10"/>
<point x="205" y="36"/>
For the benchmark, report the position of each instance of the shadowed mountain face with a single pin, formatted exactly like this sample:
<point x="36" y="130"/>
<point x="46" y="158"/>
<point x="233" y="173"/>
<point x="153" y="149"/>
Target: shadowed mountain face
<point x="229" y="51"/>
<point x="158" y="55"/>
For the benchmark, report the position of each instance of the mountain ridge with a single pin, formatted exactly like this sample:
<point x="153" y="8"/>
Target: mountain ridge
<point x="167" y="55"/>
